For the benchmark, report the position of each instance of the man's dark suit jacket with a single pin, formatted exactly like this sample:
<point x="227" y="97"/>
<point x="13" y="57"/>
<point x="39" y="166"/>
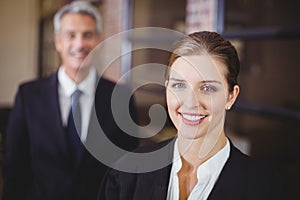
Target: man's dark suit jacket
<point x="240" y="179"/>
<point x="37" y="161"/>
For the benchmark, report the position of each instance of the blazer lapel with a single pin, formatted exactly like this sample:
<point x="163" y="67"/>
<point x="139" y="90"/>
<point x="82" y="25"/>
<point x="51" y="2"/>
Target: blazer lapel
<point x="93" y="140"/>
<point x="160" y="189"/>
<point x="53" y="111"/>
<point x="229" y="179"/>
<point x="155" y="185"/>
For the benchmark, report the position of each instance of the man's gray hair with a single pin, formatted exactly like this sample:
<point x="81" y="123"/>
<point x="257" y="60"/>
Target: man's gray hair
<point x="83" y="7"/>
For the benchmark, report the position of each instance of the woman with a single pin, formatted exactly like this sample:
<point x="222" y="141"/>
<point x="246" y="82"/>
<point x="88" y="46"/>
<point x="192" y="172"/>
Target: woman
<point x="201" y="86"/>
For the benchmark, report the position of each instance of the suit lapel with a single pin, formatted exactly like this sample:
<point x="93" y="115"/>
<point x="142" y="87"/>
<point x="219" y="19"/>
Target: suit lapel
<point x="160" y="189"/>
<point x="228" y="183"/>
<point x="92" y="140"/>
<point x="155" y="185"/>
<point x="53" y="111"/>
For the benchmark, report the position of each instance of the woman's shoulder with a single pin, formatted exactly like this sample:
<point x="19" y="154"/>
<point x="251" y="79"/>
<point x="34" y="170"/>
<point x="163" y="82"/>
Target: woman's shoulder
<point x="246" y="163"/>
<point x="146" y="158"/>
<point x="245" y="166"/>
<point x="144" y="167"/>
<point x="156" y="145"/>
<point x="253" y="177"/>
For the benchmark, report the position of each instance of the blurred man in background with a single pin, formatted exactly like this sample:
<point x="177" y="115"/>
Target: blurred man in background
<point x="44" y="153"/>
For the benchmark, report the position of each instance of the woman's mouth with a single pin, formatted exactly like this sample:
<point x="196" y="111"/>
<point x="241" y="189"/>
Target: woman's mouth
<point x="192" y="119"/>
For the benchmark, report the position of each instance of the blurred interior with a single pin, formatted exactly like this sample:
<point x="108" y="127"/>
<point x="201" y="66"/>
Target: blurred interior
<point x="264" y="123"/>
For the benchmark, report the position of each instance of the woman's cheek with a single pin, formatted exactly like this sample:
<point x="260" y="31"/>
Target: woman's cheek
<point x="173" y="104"/>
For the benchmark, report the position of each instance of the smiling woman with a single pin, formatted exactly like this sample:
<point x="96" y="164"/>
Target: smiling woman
<point x="201" y="85"/>
<point x="197" y="87"/>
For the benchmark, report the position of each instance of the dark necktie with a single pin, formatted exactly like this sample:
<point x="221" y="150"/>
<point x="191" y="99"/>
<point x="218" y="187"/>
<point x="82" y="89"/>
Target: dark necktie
<point x="74" y="126"/>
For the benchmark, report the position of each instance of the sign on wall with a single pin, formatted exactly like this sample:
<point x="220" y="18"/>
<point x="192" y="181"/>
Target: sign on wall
<point x="201" y="15"/>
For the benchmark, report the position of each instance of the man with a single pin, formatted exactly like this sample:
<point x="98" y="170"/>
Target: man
<point x="41" y="158"/>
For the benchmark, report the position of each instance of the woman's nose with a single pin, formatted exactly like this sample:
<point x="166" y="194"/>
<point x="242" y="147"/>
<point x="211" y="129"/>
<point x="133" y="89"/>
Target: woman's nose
<point x="191" y="99"/>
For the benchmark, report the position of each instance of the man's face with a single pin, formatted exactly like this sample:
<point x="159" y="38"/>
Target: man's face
<point x="77" y="37"/>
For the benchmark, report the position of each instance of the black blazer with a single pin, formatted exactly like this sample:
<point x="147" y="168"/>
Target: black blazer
<point x="37" y="162"/>
<point x="240" y="179"/>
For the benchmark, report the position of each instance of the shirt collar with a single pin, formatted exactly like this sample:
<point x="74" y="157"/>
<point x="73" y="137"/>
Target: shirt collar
<point x="87" y="86"/>
<point x="215" y="162"/>
<point x="176" y="166"/>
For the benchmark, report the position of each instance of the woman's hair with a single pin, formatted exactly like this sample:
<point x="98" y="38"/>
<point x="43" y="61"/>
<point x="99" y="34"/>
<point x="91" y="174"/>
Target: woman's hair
<point x="211" y="43"/>
<point x="78" y="7"/>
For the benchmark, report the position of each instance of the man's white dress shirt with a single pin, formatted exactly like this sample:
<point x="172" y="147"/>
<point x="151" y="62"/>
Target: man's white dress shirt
<point x="66" y="87"/>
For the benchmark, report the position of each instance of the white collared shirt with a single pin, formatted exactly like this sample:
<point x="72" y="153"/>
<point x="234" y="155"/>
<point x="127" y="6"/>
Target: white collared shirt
<point x="66" y="87"/>
<point x="207" y="174"/>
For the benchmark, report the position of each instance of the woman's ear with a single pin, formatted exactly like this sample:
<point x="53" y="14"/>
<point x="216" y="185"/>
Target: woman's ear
<point x="233" y="96"/>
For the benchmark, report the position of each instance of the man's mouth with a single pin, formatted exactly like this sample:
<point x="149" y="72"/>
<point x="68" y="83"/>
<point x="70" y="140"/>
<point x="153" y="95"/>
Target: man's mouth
<point x="79" y="55"/>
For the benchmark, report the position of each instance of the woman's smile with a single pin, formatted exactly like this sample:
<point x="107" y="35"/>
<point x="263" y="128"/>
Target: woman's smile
<point x="192" y="119"/>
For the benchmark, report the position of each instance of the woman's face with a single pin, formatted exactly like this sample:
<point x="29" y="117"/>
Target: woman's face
<point x="197" y="96"/>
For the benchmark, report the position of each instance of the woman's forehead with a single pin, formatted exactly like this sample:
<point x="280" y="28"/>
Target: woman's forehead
<point x="202" y="67"/>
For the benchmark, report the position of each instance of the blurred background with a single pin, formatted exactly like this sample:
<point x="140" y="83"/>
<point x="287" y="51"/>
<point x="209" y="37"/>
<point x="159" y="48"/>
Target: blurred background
<point x="264" y="123"/>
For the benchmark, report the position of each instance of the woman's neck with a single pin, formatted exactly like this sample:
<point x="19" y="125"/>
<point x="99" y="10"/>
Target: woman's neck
<point x="197" y="151"/>
<point x="194" y="153"/>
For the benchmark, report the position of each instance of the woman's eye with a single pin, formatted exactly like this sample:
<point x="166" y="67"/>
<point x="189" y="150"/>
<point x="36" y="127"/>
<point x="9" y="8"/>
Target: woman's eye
<point x="208" y="88"/>
<point x="178" y="85"/>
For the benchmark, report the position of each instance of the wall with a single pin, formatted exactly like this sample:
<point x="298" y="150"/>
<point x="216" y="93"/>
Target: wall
<point x="18" y="46"/>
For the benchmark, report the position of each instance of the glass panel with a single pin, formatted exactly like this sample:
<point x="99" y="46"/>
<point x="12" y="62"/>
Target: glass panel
<point x="256" y="13"/>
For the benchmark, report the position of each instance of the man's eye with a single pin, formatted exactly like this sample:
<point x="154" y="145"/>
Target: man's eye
<point x="178" y="85"/>
<point x="70" y="35"/>
<point x="88" y="35"/>
<point x="209" y="88"/>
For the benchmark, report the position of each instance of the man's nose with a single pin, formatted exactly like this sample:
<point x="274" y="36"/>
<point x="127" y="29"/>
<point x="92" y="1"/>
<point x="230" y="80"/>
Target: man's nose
<point x="79" y="42"/>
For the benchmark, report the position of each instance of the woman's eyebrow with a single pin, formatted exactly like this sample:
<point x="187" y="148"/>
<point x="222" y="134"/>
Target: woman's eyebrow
<point x="205" y="81"/>
<point x="212" y="81"/>
<point x="176" y="79"/>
